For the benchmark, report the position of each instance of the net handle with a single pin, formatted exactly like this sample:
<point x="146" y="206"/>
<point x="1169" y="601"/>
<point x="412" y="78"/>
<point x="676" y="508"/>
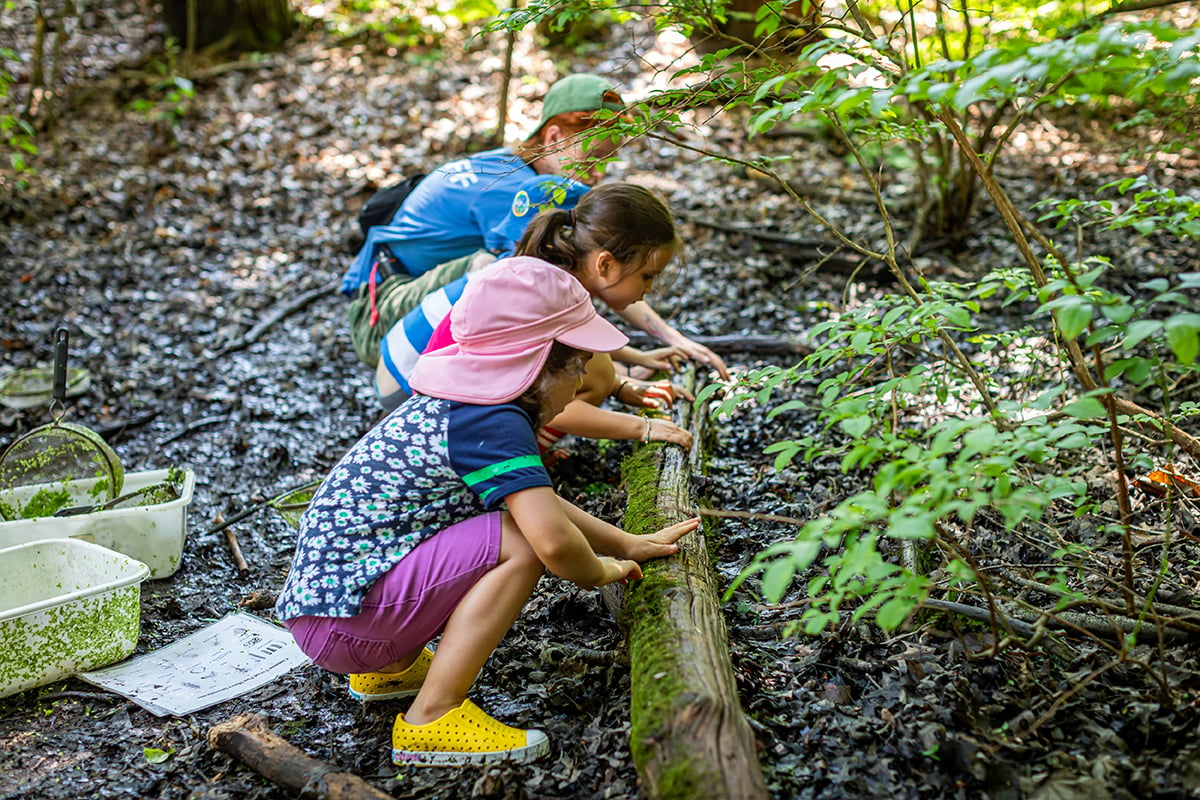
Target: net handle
<point x="58" y="404"/>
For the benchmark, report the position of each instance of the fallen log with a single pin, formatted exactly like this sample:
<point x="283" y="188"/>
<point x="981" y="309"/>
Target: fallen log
<point x="759" y="345"/>
<point x="689" y="736"/>
<point x="248" y="739"/>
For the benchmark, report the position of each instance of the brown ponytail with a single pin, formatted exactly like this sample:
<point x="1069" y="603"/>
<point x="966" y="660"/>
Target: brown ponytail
<point x="627" y="220"/>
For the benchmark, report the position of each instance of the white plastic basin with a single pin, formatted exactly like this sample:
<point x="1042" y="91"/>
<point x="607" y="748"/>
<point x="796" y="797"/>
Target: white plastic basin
<point x="65" y="606"/>
<point x="153" y="534"/>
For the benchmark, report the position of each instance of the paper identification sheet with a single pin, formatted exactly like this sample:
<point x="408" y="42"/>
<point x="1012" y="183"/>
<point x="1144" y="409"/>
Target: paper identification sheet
<point x="229" y="658"/>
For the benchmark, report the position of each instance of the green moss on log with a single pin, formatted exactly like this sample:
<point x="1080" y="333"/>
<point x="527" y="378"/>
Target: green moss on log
<point x="640" y="474"/>
<point x="657" y="681"/>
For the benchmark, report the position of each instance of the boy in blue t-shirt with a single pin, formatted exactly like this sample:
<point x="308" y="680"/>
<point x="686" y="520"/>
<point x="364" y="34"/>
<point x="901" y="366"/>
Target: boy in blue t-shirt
<point x="456" y="218"/>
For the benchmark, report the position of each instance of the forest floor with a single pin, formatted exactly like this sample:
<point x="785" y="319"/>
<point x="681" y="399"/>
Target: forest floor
<point x="160" y="243"/>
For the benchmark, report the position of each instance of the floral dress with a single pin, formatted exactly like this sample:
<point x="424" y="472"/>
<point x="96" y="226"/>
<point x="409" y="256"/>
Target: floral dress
<point x="430" y="464"/>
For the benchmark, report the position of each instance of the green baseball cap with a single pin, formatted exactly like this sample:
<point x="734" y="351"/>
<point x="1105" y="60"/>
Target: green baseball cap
<point x="578" y="92"/>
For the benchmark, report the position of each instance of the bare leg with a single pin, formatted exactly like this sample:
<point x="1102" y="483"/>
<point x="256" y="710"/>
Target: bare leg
<point x="480" y="621"/>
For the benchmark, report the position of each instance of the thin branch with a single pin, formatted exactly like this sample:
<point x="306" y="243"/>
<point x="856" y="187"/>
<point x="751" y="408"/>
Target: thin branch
<point x="1141" y="5"/>
<point x="277" y="314"/>
<point x="826" y="223"/>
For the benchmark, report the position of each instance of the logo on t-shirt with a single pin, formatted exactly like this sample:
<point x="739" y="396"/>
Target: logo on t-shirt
<point x="460" y="173"/>
<point x="521" y="204"/>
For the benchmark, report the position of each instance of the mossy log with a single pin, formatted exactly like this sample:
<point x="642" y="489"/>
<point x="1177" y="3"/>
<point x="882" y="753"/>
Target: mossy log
<point x="689" y="736"/>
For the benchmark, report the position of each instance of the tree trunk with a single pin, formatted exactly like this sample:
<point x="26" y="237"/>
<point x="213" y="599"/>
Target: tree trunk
<point x="689" y="737"/>
<point x="230" y="24"/>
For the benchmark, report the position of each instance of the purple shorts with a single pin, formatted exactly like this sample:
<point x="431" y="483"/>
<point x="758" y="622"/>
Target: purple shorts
<point x="409" y="605"/>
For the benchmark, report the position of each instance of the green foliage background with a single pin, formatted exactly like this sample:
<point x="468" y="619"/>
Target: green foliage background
<point x="913" y="388"/>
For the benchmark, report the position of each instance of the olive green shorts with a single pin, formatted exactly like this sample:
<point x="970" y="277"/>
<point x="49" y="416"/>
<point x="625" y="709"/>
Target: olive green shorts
<point x="394" y="297"/>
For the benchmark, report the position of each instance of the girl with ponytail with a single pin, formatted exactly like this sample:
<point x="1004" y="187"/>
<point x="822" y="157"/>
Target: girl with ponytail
<point x="616" y="242"/>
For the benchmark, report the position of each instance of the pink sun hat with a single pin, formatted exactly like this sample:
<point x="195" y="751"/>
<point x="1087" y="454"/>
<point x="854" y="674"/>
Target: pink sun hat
<point x="504" y="325"/>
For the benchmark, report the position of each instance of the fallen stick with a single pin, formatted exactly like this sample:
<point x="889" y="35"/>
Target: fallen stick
<point x="248" y="739"/>
<point x="236" y="549"/>
<point x="231" y="540"/>
<point x="192" y="426"/>
<point x="115" y="429"/>
<point x="762" y="345"/>
<point x="1023" y="622"/>
<point x="220" y="523"/>
<point x="277" y="314"/>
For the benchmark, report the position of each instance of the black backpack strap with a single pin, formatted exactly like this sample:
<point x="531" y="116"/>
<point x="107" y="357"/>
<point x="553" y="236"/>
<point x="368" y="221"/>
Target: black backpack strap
<point x="384" y="204"/>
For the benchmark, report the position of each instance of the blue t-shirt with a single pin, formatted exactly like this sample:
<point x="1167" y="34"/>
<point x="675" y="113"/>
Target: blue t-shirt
<point x="460" y="208"/>
<point x="430" y="464"/>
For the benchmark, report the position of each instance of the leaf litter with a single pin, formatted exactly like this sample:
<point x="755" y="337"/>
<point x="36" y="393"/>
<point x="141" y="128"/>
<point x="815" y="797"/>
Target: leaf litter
<point x="159" y="254"/>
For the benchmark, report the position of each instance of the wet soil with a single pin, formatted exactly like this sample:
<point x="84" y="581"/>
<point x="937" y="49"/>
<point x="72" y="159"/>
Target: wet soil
<point x="161" y="245"/>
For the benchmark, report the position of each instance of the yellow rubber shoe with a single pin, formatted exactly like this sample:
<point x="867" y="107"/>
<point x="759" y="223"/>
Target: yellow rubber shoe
<point x="464" y="736"/>
<point x="367" y="686"/>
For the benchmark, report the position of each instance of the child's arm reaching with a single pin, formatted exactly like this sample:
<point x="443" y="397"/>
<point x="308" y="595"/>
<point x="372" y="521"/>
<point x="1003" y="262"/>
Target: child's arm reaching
<point x="665" y="359"/>
<point x="560" y="544"/>
<point x="646" y="318"/>
<point x="584" y="419"/>
<point x="567" y="539"/>
<point x="611" y="540"/>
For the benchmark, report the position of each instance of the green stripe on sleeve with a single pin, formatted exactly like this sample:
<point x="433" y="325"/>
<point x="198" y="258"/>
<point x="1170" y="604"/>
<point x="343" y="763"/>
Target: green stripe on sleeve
<point x="491" y="471"/>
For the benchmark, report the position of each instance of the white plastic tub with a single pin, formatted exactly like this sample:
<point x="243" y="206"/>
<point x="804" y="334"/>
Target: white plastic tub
<point x="65" y="606"/>
<point x="153" y="534"/>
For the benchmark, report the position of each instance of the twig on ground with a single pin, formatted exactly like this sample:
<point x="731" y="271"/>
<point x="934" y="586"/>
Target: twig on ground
<point x="1017" y="626"/>
<point x="231" y="540"/>
<point x="277" y="314"/>
<point x="190" y="427"/>
<point x="698" y="511"/>
<point x="236" y="549"/>
<point x="115" y="429"/>
<point x="220" y="524"/>
<point x="1160" y="609"/>
<point x="74" y="695"/>
<point x="248" y="739"/>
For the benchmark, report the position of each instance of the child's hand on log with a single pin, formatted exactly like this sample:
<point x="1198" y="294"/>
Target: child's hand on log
<point x="661" y="543"/>
<point x="616" y="570"/>
<point x="649" y="394"/>
<point x="663" y="430"/>
<point x="657" y="394"/>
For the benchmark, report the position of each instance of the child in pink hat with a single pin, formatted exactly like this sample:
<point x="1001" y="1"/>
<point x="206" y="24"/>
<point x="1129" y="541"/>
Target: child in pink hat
<point x="442" y="519"/>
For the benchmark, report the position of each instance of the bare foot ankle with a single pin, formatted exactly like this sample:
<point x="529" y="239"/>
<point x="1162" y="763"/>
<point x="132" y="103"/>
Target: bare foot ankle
<point x="398" y="666"/>
<point x="418" y="715"/>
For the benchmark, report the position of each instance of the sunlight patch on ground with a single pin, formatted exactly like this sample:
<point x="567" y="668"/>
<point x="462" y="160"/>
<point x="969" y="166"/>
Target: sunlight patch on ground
<point x="252" y="269"/>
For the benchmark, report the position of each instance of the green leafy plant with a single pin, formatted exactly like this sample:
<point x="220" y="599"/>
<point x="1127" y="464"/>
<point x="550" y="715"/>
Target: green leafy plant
<point x="169" y="99"/>
<point x="171" y="102"/>
<point x="16" y="134"/>
<point x="404" y="25"/>
<point x="913" y="391"/>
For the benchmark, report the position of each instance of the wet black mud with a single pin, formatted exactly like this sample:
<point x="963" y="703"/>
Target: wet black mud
<point x="160" y="256"/>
